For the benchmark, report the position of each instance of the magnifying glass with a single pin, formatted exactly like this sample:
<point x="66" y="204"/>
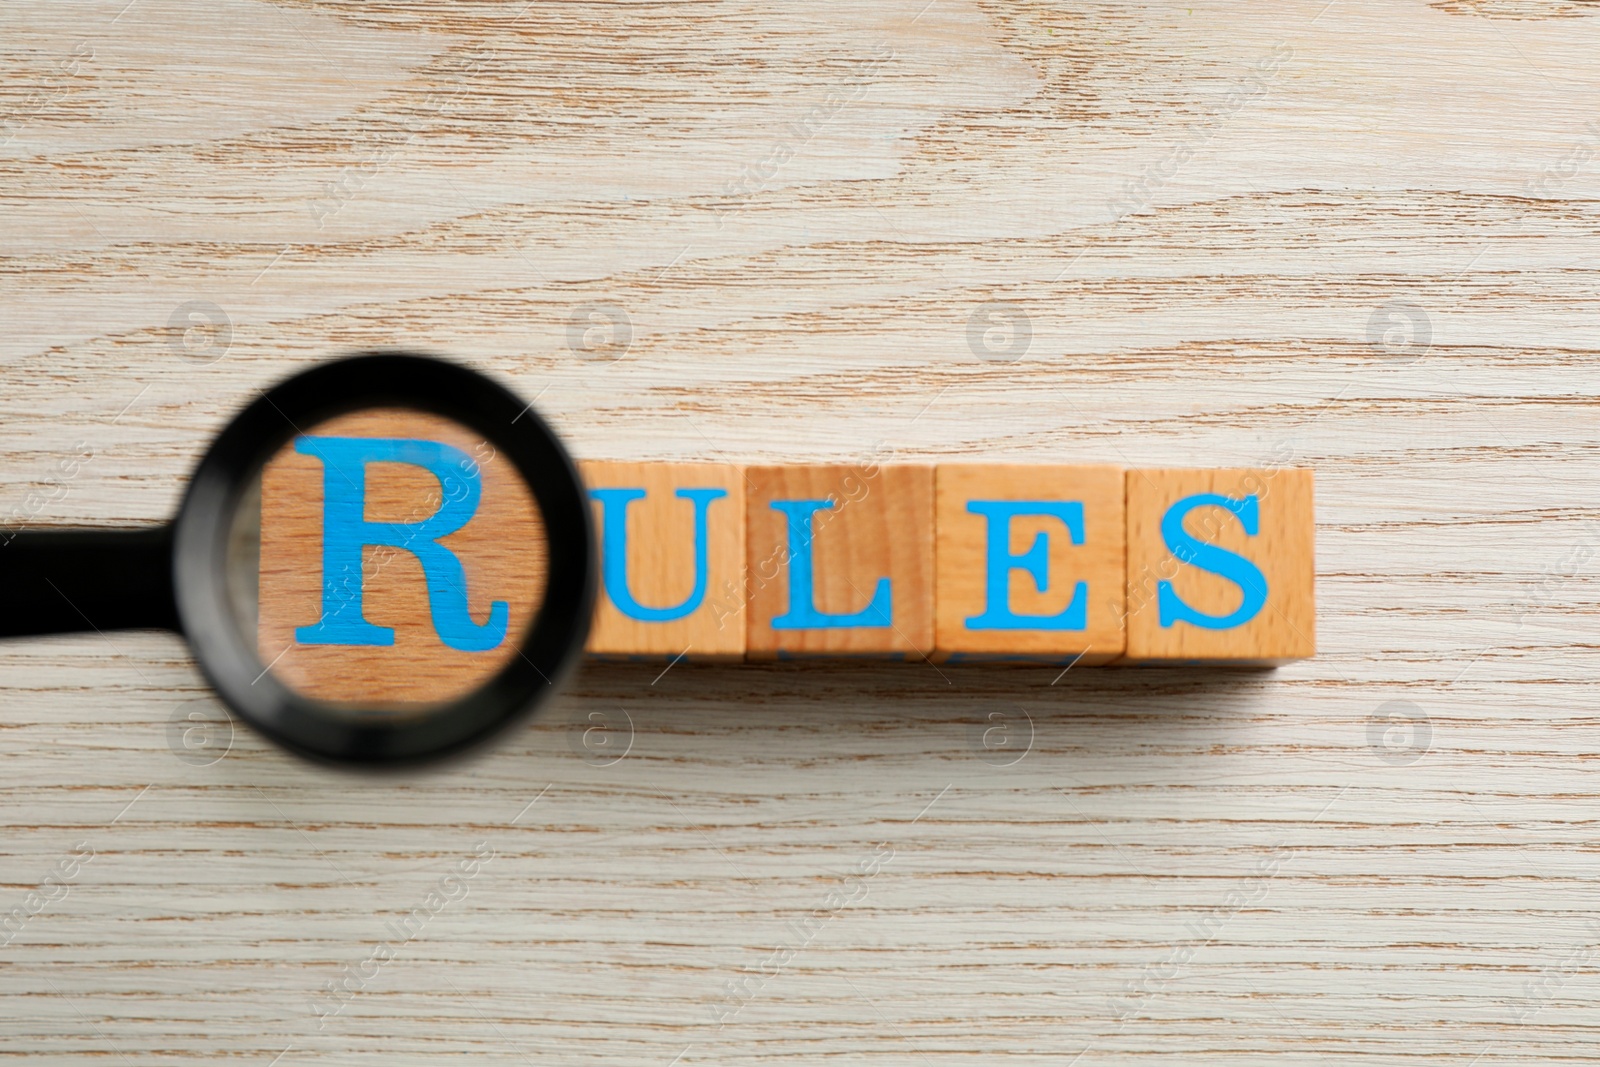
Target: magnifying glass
<point x="383" y="560"/>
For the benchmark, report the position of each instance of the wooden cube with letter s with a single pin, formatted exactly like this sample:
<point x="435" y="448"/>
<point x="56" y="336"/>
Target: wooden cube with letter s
<point x="1221" y="566"/>
<point x="671" y="560"/>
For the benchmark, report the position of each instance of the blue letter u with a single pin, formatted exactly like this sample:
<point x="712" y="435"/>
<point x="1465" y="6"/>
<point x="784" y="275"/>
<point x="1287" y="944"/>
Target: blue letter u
<point x="345" y="532"/>
<point x="614" y="551"/>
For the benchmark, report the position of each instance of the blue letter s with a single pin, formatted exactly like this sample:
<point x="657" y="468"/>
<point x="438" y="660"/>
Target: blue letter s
<point x="1235" y="568"/>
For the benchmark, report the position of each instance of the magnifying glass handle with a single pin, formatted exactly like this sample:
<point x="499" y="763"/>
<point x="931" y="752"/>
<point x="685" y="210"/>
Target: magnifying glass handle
<point x="64" y="581"/>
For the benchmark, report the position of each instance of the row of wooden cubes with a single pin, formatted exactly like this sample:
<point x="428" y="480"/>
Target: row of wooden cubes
<point x="954" y="562"/>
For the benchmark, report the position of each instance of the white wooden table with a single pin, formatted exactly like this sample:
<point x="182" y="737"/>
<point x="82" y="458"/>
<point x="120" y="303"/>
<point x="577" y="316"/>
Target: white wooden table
<point x="1361" y="236"/>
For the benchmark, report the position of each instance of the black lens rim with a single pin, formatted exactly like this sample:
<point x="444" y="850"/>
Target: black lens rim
<point x="550" y="646"/>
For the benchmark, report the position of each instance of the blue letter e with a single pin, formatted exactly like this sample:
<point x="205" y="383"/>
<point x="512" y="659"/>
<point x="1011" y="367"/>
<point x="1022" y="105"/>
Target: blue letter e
<point x="614" y="551"/>
<point x="803" y="613"/>
<point x="345" y="531"/>
<point x="1000" y="562"/>
<point x="1235" y="568"/>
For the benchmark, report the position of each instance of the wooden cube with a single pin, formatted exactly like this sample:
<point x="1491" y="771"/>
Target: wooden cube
<point x="671" y="541"/>
<point x="1221" y="566"/>
<point x="840" y="561"/>
<point x="1031" y="563"/>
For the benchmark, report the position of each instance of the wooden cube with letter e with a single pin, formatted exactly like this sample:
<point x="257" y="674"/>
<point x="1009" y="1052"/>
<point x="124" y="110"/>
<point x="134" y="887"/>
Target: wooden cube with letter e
<point x="1221" y="566"/>
<point x="671" y="559"/>
<point x="1031" y="563"/>
<point x="840" y="560"/>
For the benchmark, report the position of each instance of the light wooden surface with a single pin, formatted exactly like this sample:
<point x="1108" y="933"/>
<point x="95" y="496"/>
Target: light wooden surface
<point x="1360" y="237"/>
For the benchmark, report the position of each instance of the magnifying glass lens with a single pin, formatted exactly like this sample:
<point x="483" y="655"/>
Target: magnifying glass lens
<point x="385" y="563"/>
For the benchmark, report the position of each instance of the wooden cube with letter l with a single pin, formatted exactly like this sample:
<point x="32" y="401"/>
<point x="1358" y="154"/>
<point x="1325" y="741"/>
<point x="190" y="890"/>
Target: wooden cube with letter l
<point x="1031" y="563"/>
<point x="840" y="560"/>
<point x="1221" y="566"/>
<point x="671" y="560"/>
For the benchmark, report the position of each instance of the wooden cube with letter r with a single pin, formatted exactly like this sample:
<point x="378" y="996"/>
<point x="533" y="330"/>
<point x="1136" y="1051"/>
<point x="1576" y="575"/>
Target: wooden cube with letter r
<point x="1030" y="562"/>
<point x="671" y="560"/>
<point x="1221" y="566"/>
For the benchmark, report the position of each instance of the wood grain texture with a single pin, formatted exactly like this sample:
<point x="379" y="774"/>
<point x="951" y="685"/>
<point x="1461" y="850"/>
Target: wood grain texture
<point x="662" y="561"/>
<point x="1258" y="608"/>
<point x="865" y="534"/>
<point x="1357" y="237"/>
<point x="1092" y="553"/>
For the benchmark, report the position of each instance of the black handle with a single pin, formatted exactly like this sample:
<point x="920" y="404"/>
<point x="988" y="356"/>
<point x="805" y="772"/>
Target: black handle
<point x="63" y="581"/>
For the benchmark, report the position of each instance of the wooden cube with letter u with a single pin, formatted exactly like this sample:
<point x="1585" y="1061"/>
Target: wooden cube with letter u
<point x="840" y="560"/>
<point x="671" y="560"/>
<point x="1031" y="562"/>
<point x="1221" y="566"/>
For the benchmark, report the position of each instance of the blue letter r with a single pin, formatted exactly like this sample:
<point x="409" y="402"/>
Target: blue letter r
<point x="346" y="531"/>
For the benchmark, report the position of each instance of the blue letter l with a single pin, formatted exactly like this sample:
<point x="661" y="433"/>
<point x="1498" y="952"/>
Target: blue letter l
<point x="803" y="613"/>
